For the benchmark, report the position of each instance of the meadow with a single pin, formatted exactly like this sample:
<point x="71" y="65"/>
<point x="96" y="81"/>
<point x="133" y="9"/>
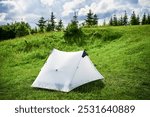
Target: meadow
<point x="121" y="54"/>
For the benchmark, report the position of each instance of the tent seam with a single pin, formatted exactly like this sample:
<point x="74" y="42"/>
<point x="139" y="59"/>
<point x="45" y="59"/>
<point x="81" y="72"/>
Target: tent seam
<point x="75" y="71"/>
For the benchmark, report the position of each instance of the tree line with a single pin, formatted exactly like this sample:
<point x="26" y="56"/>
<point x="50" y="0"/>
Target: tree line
<point x="13" y="30"/>
<point x="18" y="29"/>
<point x="74" y="34"/>
<point x="50" y="24"/>
<point x="124" y="20"/>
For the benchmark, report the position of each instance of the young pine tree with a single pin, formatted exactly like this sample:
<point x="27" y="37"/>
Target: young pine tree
<point x="133" y="19"/>
<point x="51" y="23"/>
<point x="89" y="18"/>
<point x="41" y="24"/>
<point x="95" y="20"/>
<point x="148" y="19"/>
<point x="120" y="21"/>
<point x="111" y="21"/>
<point x="115" y="21"/>
<point x="73" y="34"/>
<point x="75" y="19"/>
<point x="125" y="19"/>
<point x="60" y="25"/>
<point x="144" y="19"/>
<point x="48" y="27"/>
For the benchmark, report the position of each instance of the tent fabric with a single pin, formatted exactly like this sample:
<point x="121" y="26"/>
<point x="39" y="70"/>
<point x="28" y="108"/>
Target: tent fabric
<point x="64" y="71"/>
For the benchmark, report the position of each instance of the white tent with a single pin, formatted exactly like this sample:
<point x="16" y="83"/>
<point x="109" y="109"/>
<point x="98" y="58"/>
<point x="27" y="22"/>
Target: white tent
<point x="65" y="71"/>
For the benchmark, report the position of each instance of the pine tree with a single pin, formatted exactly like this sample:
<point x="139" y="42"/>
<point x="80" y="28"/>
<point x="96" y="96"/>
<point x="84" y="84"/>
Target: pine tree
<point x="74" y="34"/>
<point x="148" y="19"/>
<point x="60" y="25"/>
<point x="51" y="23"/>
<point x="89" y="19"/>
<point x="41" y="24"/>
<point x="133" y="19"/>
<point x="111" y="21"/>
<point x="75" y="19"/>
<point x="48" y="28"/>
<point x="144" y="19"/>
<point x="120" y="21"/>
<point x="115" y="21"/>
<point x="95" y="20"/>
<point x="125" y="19"/>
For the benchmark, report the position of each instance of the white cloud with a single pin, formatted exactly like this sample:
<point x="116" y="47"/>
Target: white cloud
<point x="19" y="6"/>
<point x="2" y="17"/>
<point x="32" y="10"/>
<point x="104" y="6"/>
<point x="85" y="10"/>
<point x="144" y="2"/>
<point x="98" y="7"/>
<point x="47" y="2"/>
<point x="68" y="7"/>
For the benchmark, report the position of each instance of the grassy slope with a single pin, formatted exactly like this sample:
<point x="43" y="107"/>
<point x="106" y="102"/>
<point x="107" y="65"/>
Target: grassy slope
<point x="124" y="62"/>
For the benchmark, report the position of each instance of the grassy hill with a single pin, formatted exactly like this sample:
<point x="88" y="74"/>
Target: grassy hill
<point x="121" y="54"/>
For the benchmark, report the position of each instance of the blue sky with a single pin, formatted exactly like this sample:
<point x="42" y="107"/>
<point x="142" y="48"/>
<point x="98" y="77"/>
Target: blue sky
<point x="31" y="10"/>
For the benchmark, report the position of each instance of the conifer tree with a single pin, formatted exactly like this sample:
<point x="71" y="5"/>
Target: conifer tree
<point x="144" y="19"/>
<point x="41" y="24"/>
<point x="73" y="34"/>
<point x="60" y="25"/>
<point x="51" y="23"/>
<point x="133" y="19"/>
<point x="89" y="19"/>
<point x="115" y="22"/>
<point x="75" y="19"/>
<point x="48" y="28"/>
<point x="111" y="21"/>
<point x="148" y="19"/>
<point x="125" y="19"/>
<point x="120" y="21"/>
<point x="95" y="20"/>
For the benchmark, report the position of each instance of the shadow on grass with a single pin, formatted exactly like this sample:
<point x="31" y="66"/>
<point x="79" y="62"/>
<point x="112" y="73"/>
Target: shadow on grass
<point x="143" y="91"/>
<point x="3" y="89"/>
<point x="90" y="87"/>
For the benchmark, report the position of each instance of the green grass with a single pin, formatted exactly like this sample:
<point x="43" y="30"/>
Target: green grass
<point x="121" y="54"/>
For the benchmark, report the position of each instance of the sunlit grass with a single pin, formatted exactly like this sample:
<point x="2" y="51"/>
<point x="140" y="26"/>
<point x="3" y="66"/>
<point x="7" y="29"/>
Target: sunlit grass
<point x="123" y="60"/>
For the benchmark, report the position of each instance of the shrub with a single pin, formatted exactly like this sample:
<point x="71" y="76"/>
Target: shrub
<point x="73" y="34"/>
<point x="22" y="30"/>
<point x="17" y="29"/>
